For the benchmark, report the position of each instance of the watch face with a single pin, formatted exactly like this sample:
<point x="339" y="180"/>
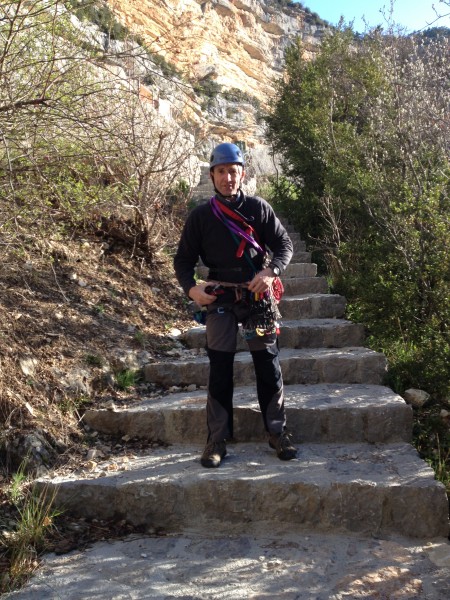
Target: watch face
<point x="276" y="271"/>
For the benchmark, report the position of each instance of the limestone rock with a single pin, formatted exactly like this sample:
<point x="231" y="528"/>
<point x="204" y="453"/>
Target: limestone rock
<point x="236" y="44"/>
<point x="28" y="366"/>
<point x="417" y="398"/>
<point x="32" y="450"/>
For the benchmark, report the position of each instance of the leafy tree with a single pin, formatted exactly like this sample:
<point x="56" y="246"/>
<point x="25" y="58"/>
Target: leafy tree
<point x="77" y="137"/>
<point x="364" y="134"/>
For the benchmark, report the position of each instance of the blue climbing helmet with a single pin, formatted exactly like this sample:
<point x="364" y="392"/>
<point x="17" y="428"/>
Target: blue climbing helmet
<point x="226" y="153"/>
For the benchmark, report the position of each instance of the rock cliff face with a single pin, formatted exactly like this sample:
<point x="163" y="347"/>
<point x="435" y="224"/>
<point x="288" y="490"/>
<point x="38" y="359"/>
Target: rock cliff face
<point x="231" y="44"/>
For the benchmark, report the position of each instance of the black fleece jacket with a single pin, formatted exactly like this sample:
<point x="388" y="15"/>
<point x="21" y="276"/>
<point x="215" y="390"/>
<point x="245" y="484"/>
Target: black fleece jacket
<point x="205" y="236"/>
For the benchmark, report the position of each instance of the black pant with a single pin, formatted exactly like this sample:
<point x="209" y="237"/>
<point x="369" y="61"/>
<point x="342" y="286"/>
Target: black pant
<point x="221" y="335"/>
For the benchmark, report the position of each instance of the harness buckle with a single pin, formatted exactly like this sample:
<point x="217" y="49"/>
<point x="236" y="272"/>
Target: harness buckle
<point x="220" y="310"/>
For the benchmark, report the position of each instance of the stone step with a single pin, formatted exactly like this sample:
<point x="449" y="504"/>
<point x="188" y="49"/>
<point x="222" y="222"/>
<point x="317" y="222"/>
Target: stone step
<point x="300" y="256"/>
<point x="324" y="413"/>
<point x="297" y="241"/>
<point x="305" y="333"/>
<point x="300" y="270"/>
<point x="312" y="306"/>
<point x="287" y="225"/>
<point x="295" y="286"/>
<point x="299" y="244"/>
<point x="292" y="270"/>
<point x="294" y="235"/>
<point x="313" y="365"/>
<point x="364" y="488"/>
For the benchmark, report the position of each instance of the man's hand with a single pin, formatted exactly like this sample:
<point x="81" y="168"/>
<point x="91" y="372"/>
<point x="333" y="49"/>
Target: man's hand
<point x="197" y="294"/>
<point x="262" y="281"/>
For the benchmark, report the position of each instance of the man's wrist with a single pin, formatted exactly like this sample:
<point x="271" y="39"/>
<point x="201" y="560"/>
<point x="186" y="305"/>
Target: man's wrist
<point x="275" y="270"/>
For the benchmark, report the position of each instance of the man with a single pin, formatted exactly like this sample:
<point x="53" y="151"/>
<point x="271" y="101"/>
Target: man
<point x="230" y="234"/>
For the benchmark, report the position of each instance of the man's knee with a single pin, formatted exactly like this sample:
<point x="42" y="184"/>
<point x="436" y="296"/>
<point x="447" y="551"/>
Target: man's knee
<point x="269" y="354"/>
<point x="220" y="369"/>
<point x="219" y="357"/>
<point x="267" y="365"/>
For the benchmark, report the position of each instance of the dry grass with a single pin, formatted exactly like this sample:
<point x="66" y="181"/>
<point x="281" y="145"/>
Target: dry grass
<point x="71" y="307"/>
<point x="65" y="307"/>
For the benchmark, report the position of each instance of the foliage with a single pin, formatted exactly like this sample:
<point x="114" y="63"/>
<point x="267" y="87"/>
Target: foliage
<point x="94" y="360"/>
<point x="99" y="13"/>
<point x="310" y="16"/>
<point x="77" y="139"/>
<point x="167" y="68"/>
<point x="209" y="89"/>
<point x="313" y="18"/>
<point x="127" y="378"/>
<point x="432" y="440"/>
<point x="22" y="543"/>
<point x="285" y="3"/>
<point x="240" y="96"/>
<point x="363" y="131"/>
<point x="434" y="33"/>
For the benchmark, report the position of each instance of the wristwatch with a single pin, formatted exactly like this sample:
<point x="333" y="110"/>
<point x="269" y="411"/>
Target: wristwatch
<point x="276" y="271"/>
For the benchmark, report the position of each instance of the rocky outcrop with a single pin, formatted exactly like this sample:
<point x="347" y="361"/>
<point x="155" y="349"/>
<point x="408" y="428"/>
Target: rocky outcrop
<point x="236" y="44"/>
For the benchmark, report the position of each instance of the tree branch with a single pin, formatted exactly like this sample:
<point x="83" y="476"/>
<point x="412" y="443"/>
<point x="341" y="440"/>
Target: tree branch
<point x="23" y="103"/>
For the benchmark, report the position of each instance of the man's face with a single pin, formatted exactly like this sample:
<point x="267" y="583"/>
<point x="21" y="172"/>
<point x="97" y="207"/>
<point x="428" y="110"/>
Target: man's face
<point x="227" y="178"/>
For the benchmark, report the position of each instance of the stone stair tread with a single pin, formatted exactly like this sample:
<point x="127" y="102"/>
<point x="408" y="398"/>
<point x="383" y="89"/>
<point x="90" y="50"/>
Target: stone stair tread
<point x="321" y="464"/>
<point x="311" y="365"/>
<point x="315" y="413"/>
<point x="284" y="353"/>
<point x="301" y="256"/>
<point x="312" y="305"/>
<point x="305" y="285"/>
<point x="333" y="332"/>
<point x="318" y="396"/>
<point x="297" y="269"/>
<point x="326" y="322"/>
<point x="379" y="488"/>
<point x="311" y="296"/>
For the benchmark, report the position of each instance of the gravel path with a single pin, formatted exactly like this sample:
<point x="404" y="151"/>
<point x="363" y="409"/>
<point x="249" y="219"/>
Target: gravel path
<point x="285" y="567"/>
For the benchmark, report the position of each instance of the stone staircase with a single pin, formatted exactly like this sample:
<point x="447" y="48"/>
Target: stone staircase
<point x="203" y="189"/>
<point x="356" y="471"/>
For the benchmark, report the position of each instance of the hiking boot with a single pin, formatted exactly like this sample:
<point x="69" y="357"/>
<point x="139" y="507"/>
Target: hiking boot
<point x="213" y="454"/>
<point x="281" y="442"/>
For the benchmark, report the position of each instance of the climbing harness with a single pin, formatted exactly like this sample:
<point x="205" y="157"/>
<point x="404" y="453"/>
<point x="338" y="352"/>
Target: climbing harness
<point x="258" y="312"/>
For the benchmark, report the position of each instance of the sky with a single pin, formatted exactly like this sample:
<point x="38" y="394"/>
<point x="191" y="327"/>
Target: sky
<point x="412" y="14"/>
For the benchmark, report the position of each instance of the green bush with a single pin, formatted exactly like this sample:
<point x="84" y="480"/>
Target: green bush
<point x="367" y="181"/>
<point x="238" y="95"/>
<point x="167" y="68"/>
<point x="99" y="13"/>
